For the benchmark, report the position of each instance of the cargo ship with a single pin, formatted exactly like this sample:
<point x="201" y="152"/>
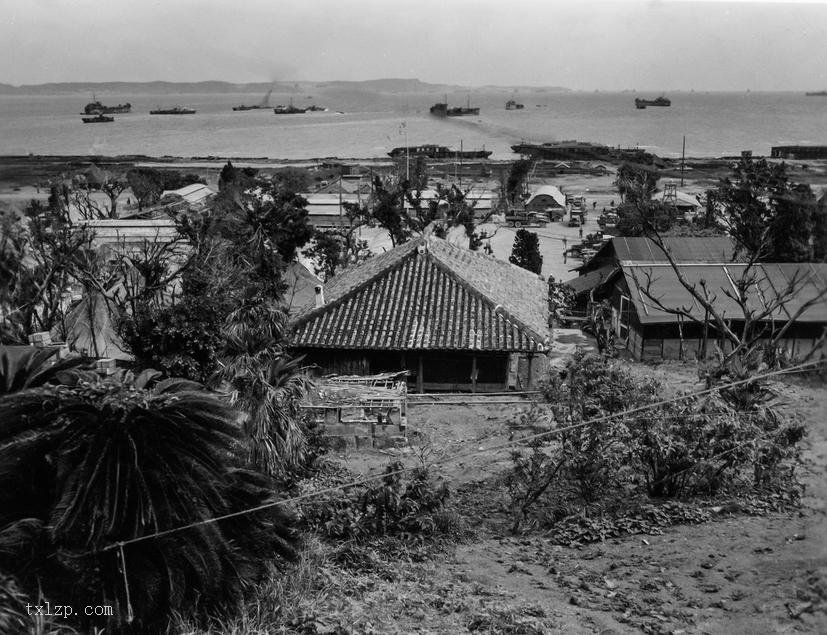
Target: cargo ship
<point x="441" y="109"/>
<point x="97" y="108"/>
<point x="660" y="101"/>
<point x="817" y="93"/>
<point x="98" y="119"/>
<point x="511" y="104"/>
<point x="265" y="103"/>
<point x="178" y="110"/>
<point x="429" y="151"/>
<point x="288" y="110"/>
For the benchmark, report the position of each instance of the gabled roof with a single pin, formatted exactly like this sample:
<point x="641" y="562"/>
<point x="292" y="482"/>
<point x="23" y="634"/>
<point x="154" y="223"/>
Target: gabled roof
<point x="772" y="281"/>
<point x="428" y="294"/>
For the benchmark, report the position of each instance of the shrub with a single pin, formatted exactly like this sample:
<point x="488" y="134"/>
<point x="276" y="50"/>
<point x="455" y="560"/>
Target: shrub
<point x="395" y="506"/>
<point x="732" y="442"/>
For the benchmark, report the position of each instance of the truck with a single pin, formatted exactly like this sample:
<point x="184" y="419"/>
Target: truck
<point x="522" y="218"/>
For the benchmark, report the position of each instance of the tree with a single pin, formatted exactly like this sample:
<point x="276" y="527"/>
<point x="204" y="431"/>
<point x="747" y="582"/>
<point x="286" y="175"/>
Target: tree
<point x="92" y="461"/>
<point x="759" y="300"/>
<point x="265" y="384"/>
<point x="637" y="185"/>
<point x="336" y="248"/>
<point x="636" y="182"/>
<point x="146" y="184"/>
<point x="820" y="230"/>
<point x="792" y="227"/>
<point x="769" y="218"/>
<point x="37" y="257"/>
<point x="234" y="179"/>
<point x="526" y="251"/>
<point x="291" y="179"/>
<point x="113" y="187"/>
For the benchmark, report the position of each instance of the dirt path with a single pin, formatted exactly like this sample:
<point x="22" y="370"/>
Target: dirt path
<point x="735" y="574"/>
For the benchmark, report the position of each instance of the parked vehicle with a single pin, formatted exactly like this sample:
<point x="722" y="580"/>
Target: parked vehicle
<point x="521" y="218"/>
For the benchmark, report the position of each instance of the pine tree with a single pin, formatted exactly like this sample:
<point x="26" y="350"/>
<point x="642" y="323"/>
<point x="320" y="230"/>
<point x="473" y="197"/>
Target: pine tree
<point x="526" y="251"/>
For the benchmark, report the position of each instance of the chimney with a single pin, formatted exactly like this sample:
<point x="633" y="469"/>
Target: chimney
<point x="319" y="296"/>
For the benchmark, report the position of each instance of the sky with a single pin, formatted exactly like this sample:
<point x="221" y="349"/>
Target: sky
<point x="583" y="45"/>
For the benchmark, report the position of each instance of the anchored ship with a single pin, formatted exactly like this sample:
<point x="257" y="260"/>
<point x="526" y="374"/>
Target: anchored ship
<point x="288" y="110"/>
<point x="441" y="109"/>
<point x="177" y="110"/>
<point x="265" y="103"/>
<point x="817" y="93"/>
<point x="660" y="101"/>
<point x="97" y="108"/>
<point x="98" y="119"/>
<point x="513" y="105"/>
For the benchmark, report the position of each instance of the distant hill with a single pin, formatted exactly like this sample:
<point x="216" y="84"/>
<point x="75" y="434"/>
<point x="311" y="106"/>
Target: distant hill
<point x="400" y="85"/>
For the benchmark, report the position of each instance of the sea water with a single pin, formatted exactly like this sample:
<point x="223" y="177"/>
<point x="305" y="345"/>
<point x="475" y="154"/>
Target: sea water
<point x="360" y="123"/>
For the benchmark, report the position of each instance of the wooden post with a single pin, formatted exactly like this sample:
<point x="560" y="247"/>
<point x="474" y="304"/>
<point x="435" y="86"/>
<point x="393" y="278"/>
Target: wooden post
<point x="420" y="382"/>
<point x="529" y="383"/>
<point x="474" y="372"/>
<point x="706" y="334"/>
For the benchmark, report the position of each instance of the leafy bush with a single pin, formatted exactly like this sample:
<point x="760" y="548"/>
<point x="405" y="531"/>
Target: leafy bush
<point x="730" y="443"/>
<point x="395" y="506"/>
<point x="100" y="460"/>
<point x="180" y="340"/>
<point x="591" y="388"/>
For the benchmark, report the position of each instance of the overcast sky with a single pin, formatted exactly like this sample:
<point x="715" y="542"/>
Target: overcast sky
<point x="582" y="45"/>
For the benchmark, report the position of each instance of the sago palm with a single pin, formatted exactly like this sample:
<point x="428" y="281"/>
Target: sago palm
<point x="105" y="460"/>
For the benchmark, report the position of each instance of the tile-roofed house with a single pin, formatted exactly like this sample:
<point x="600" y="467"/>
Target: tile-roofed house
<point x="456" y="319"/>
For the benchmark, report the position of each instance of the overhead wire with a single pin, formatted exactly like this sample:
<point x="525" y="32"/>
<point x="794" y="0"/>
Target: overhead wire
<point x="448" y="459"/>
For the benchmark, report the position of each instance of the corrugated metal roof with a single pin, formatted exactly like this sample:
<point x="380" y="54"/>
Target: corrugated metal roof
<point x="711" y="249"/>
<point x="772" y="280"/>
<point x="591" y="280"/>
<point x="428" y="295"/>
<point x="193" y="193"/>
<point x="548" y="190"/>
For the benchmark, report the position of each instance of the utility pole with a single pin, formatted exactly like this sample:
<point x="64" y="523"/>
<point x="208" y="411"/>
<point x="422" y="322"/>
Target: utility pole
<point x="407" y="153"/>
<point x="683" y="156"/>
<point x="460" y="162"/>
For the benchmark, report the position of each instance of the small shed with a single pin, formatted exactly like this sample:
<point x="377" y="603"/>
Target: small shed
<point x="360" y="410"/>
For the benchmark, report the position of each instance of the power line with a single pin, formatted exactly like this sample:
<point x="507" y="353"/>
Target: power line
<point x="374" y="477"/>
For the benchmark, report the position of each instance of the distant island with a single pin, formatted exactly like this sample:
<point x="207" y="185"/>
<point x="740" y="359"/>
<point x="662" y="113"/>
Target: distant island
<point x="395" y="85"/>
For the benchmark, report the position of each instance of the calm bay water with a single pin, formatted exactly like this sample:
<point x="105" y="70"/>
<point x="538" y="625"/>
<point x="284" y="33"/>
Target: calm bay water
<point x="369" y="125"/>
